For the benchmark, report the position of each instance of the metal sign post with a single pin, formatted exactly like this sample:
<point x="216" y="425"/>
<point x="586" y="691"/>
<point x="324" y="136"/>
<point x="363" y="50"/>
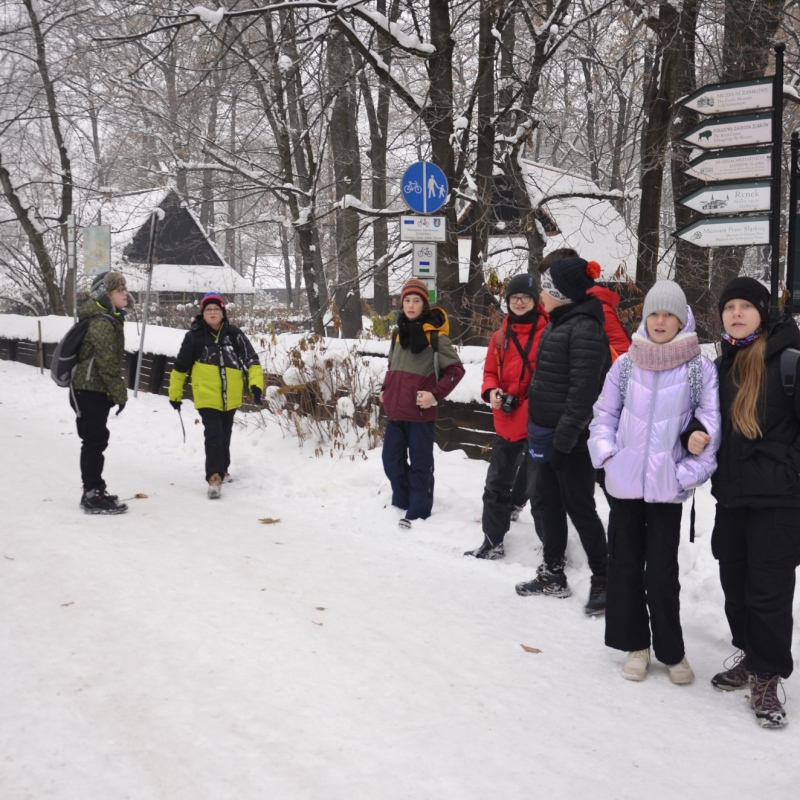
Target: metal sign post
<point x="777" y="145"/>
<point x="793" y="257"/>
<point x="156" y="215"/>
<point x="72" y="263"/>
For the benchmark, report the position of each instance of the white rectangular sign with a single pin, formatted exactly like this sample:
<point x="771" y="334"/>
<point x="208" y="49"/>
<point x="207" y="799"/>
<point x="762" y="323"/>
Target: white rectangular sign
<point x="424" y="260"/>
<point x="731" y="132"/>
<point x="422" y="229"/>
<point x="723" y="98"/>
<point x="727" y="232"/>
<point x="730" y="198"/>
<point x="734" y="165"/>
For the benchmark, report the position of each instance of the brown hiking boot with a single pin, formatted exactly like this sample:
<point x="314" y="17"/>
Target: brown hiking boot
<point x="764" y="700"/>
<point x="215" y="486"/>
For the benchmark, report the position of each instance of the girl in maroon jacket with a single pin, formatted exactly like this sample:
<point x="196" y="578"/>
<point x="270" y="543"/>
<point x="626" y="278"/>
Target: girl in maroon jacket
<point x="507" y="372"/>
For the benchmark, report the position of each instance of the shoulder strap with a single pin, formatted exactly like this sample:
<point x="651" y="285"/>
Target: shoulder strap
<point x="789" y="359"/>
<point x="696" y="380"/>
<point x="625" y="367"/>
<point x="435" y="346"/>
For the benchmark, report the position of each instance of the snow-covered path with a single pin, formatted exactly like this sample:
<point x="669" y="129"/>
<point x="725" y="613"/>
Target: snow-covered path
<point x="186" y="651"/>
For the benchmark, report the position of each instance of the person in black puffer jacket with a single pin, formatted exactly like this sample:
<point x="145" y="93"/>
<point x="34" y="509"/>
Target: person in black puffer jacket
<point x="571" y="365"/>
<point x="756" y="536"/>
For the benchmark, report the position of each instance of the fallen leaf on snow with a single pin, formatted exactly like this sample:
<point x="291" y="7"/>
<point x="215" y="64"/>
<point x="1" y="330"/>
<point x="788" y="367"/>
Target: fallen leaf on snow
<point x="141" y="496"/>
<point x="530" y="649"/>
<point x="316" y="623"/>
<point x="268" y="520"/>
<point x="320" y="608"/>
<point x="71" y="603"/>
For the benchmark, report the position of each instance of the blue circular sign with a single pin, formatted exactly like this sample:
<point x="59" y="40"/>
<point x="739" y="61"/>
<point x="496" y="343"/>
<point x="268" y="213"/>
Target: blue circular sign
<point x="424" y="187"/>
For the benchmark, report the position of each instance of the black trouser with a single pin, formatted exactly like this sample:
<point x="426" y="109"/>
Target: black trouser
<point x="643" y="576"/>
<point x="758" y="552"/>
<point x="92" y="417"/>
<point x="570" y="491"/>
<point x="509" y="465"/>
<point x="408" y="464"/>
<point x="218" y="426"/>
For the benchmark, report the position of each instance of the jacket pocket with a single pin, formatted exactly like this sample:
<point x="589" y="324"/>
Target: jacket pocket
<point x="540" y="442"/>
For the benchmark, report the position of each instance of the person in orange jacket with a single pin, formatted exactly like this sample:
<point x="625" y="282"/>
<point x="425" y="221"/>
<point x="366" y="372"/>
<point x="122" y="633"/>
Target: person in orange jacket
<point x="510" y="362"/>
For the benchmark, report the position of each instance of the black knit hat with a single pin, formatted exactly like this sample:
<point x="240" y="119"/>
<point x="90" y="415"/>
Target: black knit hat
<point x="524" y="283"/>
<point x="573" y="277"/>
<point x="747" y="289"/>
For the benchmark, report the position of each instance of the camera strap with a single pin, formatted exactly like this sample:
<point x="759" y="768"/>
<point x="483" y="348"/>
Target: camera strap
<point x="524" y="353"/>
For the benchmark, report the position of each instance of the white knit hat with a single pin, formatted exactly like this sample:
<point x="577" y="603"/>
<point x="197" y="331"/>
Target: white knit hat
<point x="666" y="296"/>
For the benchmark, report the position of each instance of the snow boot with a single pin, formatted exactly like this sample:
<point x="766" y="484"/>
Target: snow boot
<point x="737" y="677"/>
<point x="550" y="582"/>
<point x="681" y="673"/>
<point x="596" y="604"/>
<point x="764" y="700"/>
<point x="489" y="551"/>
<point x="226" y="478"/>
<point x="635" y="668"/>
<point x="96" y="501"/>
<point x="405" y="524"/>
<point x="215" y="486"/>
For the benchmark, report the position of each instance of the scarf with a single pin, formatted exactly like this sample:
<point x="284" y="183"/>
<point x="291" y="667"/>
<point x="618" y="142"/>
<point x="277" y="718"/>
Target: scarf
<point x="747" y="341"/>
<point x="649" y="355"/>
<point x="411" y="333"/>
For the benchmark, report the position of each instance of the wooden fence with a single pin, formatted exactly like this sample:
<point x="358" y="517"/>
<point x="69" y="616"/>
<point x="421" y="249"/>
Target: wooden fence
<point x="461" y="426"/>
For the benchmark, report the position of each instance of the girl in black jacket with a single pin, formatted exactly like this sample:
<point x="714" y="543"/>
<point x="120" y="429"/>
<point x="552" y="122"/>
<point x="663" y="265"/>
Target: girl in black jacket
<point x="756" y="537"/>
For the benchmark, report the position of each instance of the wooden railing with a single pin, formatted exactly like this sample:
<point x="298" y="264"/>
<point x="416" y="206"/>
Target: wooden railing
<point x="461" y="426"/>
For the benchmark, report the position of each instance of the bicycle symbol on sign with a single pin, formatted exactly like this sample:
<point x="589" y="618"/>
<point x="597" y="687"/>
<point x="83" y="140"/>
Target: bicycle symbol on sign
<point x="424" y="252"/>
<point x="412" y="187"/>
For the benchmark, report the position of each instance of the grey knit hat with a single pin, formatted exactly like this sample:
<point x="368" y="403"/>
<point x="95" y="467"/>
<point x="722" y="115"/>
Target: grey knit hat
<point x="666" y="296"/>
<point x="108" y="282"/>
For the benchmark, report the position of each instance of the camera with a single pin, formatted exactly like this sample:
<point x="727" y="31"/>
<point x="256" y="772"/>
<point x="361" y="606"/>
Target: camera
<point x="509" y="403"/>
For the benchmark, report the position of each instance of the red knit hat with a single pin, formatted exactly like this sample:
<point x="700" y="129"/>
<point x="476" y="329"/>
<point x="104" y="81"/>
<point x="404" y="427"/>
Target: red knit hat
<point x="415" y="286"/>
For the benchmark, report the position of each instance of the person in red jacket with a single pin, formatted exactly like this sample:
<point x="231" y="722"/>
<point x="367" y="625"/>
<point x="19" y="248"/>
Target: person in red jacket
<point x="507" y="371"/>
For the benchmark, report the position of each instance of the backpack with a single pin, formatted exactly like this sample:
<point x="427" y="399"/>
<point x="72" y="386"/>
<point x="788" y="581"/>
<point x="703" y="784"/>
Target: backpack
<point x="695" y="378"/>
<point x="65" y="356"/>
<point x="789" y="359"/>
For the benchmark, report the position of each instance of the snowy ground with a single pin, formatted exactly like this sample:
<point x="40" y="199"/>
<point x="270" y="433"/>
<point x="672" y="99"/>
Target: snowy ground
<point x="187" y="651"/>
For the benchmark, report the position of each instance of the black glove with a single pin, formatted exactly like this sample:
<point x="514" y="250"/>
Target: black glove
<point x="120" y="409"/>
<point x="176" y="404"/>
<point x="558" y="461"/>
<point x="256" y="392"/>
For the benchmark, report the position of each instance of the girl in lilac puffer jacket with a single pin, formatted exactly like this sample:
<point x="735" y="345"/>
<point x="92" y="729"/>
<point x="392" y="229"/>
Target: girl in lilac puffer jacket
<point x="649" y="398"/>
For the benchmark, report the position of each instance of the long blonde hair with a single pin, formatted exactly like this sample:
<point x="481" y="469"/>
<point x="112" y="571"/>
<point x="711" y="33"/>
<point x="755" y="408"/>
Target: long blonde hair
<point x="748" y="378"/>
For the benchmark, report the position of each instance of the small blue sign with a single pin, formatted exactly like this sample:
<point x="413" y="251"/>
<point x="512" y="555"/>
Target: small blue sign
<point x="424" y="187"/>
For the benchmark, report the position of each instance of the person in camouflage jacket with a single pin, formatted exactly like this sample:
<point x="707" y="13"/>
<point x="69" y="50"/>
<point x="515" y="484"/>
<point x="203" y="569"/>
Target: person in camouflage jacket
<point x="98" y="386"/>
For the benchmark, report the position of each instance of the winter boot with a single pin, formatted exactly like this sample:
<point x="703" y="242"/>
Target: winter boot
<point x="681" y="673"/>
<point x="489" y="551"/>
<point x="226" y="478"/>
<point x="552" y="583"/>
<point x="96" y="501"/>
<point x="635" y="668"/>
<point x="597" y="596"/>
<point x="405" y="524"/>
<point x="737" y="677"/>
<point x="215" y="486"/>
<point x="764" y="700"/>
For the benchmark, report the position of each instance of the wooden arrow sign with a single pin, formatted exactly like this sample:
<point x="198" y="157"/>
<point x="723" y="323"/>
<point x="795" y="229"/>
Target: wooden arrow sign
<point x="731" y="165"/>
<point x="731" y="131"/>
<point x="726" y="232"/>
<point x="730" y="198"/>
<point x="724" y="98"/>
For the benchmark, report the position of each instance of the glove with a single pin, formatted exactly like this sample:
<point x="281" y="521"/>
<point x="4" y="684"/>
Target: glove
<point x="558" y="461"/>
<point x="256" y="392"/>
<point x="176" y="404"/>
<point x="120" y="409"/>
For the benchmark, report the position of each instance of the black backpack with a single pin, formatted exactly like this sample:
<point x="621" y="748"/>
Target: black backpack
<point x="65" y="356"/>
<point x="788" y="368"/>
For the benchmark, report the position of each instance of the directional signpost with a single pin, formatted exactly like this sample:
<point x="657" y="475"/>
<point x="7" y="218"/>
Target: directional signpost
<point x="727" y="231"/>
<point x="730" y="198"/>
<point x="727" y="137"/>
